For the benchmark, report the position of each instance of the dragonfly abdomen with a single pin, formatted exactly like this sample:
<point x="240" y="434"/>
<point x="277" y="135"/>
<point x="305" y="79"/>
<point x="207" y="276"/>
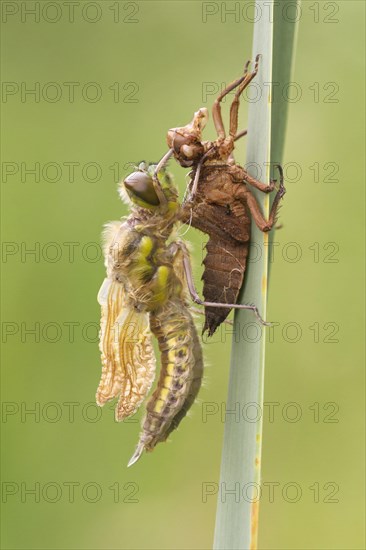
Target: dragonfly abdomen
<point x="180" y="374"/>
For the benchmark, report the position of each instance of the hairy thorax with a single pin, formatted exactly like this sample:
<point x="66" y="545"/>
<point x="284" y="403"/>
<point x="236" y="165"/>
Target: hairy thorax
<point x="141" y="262"/>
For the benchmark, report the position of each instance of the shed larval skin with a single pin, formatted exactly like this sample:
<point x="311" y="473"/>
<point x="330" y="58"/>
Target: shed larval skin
<point x="220" y="202"/>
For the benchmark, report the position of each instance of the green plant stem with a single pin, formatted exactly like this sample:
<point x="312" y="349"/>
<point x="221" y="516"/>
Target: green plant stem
<point x="240" y="477"/>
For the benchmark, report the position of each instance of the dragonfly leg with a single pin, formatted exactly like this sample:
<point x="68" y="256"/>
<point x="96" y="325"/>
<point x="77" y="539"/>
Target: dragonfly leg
<point x="260" y="221"/>
<point x="240" y="135"/>
<point x="157" y="185"/>
<point x="259" y="185"/>
<point x="195" y="181"/>
<point x="201" y="312"/>
<point x="234" y="109"/>
<point x="216" y="108"/>
<point x="263" y="186"/>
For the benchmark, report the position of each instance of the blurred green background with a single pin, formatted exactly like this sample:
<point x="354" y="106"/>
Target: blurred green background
<point x="161" y="54"/>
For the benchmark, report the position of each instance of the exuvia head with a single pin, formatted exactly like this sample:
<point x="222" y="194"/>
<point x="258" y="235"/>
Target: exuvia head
<point x="186" y="141"/>
<point x="141" y="190"/>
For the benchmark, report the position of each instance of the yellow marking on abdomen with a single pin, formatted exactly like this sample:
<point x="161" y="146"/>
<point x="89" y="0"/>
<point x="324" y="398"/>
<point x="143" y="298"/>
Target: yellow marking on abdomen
<point x="170" y="369"/>
<point x="167" y="382"/>
<point x="161" y="401"/>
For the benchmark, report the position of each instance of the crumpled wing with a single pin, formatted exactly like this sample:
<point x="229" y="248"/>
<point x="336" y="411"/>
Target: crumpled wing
<point x="127" y="354"/>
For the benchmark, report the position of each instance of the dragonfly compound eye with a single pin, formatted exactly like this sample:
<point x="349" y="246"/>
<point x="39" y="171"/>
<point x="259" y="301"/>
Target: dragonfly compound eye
<point x="140" y="185"/>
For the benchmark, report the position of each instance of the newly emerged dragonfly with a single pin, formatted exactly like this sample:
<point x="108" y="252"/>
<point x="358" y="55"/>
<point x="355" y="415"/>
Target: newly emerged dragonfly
<point x="145" y="293"/>
<point x="220" y="202"/>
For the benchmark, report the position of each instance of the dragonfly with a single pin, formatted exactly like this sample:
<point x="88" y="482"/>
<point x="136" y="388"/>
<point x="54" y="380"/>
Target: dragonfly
<point x="146" y="295"/>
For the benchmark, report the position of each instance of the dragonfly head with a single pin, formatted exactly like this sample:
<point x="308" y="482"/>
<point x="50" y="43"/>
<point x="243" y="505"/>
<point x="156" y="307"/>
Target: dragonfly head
<point x="140" y="187"/>
<point x="186" y="141"/>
